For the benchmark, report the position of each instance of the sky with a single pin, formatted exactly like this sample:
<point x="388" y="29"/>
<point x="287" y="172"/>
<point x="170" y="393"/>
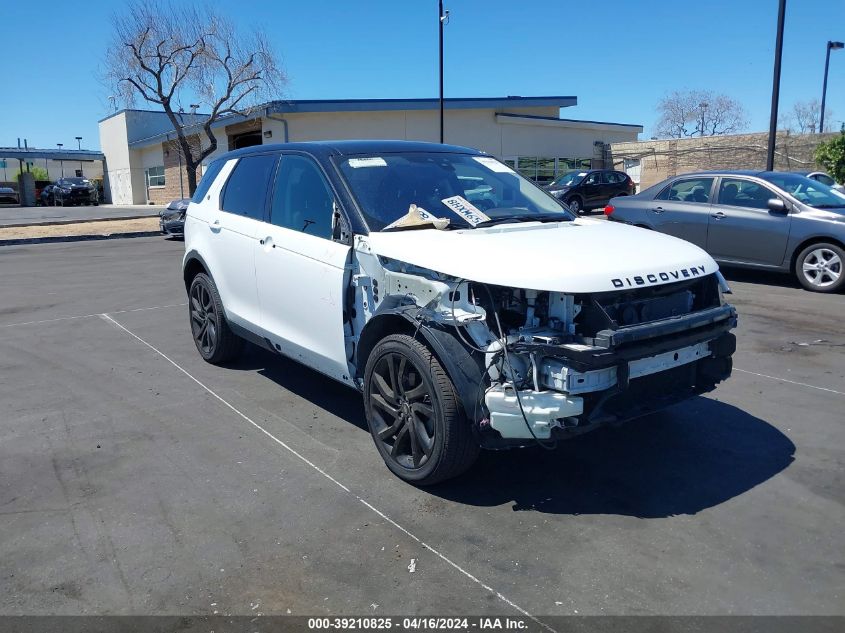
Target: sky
<point x="618" y="57"/>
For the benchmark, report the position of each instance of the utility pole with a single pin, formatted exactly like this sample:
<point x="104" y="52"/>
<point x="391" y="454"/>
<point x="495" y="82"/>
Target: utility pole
<point x="79" y="147"/>
<point x="773" y="116"/>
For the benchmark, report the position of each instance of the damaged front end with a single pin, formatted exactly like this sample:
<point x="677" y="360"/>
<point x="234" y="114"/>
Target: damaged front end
<point x="532" y="365"/>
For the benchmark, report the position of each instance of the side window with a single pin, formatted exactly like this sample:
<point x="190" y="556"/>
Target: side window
<point x="744" y="193"/>
<point x="688" y="190"/>
<point x="611" y="178"/>
<point x="302" y="199"/>
<point x="592" y="179"/>
<point x="246" y="190"/>
<point x="207" y="180"/>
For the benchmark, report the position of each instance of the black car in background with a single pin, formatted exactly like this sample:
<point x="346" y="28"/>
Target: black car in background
<point x="585" y="189"/>
<point x="8" y="196"/>
<point x="171" y="219"/>
<point x="71" y="191"/>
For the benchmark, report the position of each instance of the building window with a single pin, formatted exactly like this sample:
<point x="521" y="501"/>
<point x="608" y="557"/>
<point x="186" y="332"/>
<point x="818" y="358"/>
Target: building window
<point x="155" y="176"/>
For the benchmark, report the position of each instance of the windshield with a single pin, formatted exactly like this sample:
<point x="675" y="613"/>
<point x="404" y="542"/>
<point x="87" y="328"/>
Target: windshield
<point x="569" y="179"/>
<point x="468" y="190"/>
<point x="810" y="192"/>
<point x="73" y="181"/>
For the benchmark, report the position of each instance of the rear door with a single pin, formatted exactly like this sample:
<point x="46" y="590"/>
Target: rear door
<point x="301" y="270"/>
<point x="741" y="227"/>
<point x="682" y="209"/>
<point x="243" y="202"/>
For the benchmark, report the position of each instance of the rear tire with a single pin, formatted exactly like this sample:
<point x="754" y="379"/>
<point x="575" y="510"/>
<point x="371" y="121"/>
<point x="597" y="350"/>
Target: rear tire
<point x="414" y="414"/>
<point x="215" y="340"/>
<point x="820" y="267"/>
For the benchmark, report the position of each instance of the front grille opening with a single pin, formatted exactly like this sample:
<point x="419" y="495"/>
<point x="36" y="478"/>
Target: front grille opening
<point x="627" y="308"/>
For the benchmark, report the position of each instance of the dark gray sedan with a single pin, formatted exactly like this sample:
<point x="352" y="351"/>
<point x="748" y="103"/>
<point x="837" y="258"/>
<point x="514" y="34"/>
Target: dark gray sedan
<point x="767" y="220"/>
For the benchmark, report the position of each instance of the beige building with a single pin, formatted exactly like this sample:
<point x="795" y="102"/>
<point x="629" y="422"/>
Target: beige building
<point x="143" y="164"/>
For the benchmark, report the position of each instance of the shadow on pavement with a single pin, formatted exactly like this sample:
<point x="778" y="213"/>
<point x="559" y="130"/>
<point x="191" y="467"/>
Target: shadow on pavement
<point x="693" y="456"/>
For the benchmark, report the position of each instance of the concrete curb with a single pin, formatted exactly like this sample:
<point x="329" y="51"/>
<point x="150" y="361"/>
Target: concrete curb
<point x="77" y="221"/>
<point x="78" y="238"/>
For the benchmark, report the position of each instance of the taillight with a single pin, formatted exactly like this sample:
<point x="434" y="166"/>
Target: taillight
<point x="609" y="209"/>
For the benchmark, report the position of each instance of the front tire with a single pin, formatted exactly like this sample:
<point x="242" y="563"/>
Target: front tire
<point x="212" y="335"/>
<point x="821" y="267"/>
<point x="575" y="205"/>
<point x="414" y="415"/>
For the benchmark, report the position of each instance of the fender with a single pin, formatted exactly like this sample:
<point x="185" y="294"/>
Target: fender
<point x="190" y="257"/>
<point x="465" y="371"/>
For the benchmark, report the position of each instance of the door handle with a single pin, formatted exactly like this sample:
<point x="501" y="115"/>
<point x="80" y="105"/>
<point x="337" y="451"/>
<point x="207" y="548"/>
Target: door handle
<point x="719" y="215"/>
<point x="657" y="210"/>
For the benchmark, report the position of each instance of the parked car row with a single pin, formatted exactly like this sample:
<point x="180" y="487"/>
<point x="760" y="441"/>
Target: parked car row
<point x="757" y="219"/>
<point x="586" y="189"/>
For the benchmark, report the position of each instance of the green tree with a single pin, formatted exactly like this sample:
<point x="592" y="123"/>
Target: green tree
<point x="831" y="155"/>
<point x="39" y="173"/>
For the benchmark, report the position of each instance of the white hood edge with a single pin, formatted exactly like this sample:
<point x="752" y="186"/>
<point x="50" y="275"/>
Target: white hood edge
<point x="581" y="256"/>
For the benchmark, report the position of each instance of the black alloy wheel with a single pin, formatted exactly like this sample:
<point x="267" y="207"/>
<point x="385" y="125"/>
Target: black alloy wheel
<point x="414" y="414"/>
<point x="212" y="335"/>
<point x="403" y="410"/>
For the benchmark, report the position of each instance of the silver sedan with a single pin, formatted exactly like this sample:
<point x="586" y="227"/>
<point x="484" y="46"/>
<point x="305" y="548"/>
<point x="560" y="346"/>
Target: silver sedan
<point x="767" y="220"/>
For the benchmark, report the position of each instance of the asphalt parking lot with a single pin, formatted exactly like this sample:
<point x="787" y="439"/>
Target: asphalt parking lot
<point x="13" y="215"/>
<point x="136" y="479"/>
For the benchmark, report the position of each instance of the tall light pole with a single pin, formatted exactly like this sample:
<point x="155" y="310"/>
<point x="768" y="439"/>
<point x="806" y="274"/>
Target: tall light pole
<point x="79" y="147"/>
<point x="703" y="108"/>
<point x="830" y="46"/>
<point x="773" y="116"/>
<point x="61" y="162"/>
<point x="442" y="17"/>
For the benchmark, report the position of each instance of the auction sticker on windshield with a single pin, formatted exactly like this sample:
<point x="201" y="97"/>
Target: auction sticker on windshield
<point x="373" y="161"/>
<point x="493" y="165"/>
<point x="465" y="209"/>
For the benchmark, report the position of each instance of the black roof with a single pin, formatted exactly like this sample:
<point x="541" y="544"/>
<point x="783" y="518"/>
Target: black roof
<point x="351" y="148"/>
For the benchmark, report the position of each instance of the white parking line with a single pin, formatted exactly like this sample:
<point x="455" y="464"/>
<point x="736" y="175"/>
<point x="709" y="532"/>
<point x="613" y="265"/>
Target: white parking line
<point x="791" y="382"/>
<point x="96" y="314"/>
<point x="304" y="459"/>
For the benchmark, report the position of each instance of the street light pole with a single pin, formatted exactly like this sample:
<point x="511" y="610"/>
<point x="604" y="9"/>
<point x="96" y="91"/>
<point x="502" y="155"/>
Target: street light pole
<point x="830" y="46"/>
<point x="441" y="18"/>
<point x="79" y="147"/>
<point x="773" y="116"/>
<point x="61" y="161"/>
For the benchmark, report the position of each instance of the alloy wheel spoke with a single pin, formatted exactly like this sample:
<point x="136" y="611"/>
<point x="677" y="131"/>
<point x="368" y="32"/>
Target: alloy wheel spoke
<point x="423" y="438"/>
<point x="389" y="431"/>
<point x="385" y="406"/>
<point x="416" y="451"/>
<point x="401" y="436"/>
<point x="383" y="388"/>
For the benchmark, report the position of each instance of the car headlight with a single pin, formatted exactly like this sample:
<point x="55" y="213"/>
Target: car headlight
<point x="724" y="288"/>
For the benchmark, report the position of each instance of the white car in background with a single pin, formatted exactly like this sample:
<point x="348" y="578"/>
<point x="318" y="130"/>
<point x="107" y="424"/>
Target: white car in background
<point x="470" y="308"/>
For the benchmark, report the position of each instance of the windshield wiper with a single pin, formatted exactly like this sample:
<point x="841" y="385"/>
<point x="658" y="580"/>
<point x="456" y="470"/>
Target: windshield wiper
<point x="540" y="217"/>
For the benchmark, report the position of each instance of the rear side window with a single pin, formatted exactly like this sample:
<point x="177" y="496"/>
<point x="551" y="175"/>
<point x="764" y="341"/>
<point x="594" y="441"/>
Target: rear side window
<point x="246" y="190"/>
<point x="302" y="200"/>
<point x="207" y="180"/>
<point x="612" y="177"/>
<point x="688" y="190"/>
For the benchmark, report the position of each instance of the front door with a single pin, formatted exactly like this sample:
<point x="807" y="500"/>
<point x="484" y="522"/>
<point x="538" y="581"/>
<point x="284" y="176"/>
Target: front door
<point x="301" y="270"/>
<point x="743" y="229"/>
<point x="592" y="188"/>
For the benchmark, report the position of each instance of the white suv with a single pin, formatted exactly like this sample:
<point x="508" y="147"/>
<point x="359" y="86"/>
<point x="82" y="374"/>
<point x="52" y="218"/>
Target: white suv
<point x="470" y="307"/>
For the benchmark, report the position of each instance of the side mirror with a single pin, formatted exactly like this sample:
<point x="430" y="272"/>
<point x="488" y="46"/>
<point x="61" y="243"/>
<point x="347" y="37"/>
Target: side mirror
<point x="777" y="206"/>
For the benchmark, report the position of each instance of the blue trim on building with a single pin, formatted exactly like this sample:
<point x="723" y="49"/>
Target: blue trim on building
<point x="20" y="153"/>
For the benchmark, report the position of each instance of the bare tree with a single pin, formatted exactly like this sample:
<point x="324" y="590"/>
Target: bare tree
<point x="806" y="114"/>
<point x="171" y="55"/>
<point x="699" y="113"/>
